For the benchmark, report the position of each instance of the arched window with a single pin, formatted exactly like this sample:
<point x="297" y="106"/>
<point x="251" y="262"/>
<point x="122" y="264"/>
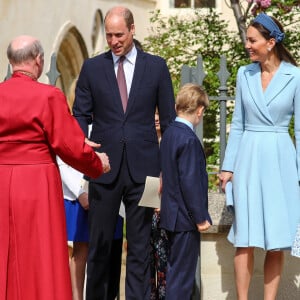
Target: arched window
<point x="71" y="53"/>
<point x="194" y="3"/>
<point x="98" y="33"/>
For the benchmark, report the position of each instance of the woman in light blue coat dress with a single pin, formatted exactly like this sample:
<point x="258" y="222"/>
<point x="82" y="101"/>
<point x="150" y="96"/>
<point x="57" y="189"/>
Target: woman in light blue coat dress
<point x="261" y="159"/>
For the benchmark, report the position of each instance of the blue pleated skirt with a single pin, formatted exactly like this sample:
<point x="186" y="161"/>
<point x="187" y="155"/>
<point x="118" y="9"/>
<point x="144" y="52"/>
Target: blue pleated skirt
<point x="77" y="221"/>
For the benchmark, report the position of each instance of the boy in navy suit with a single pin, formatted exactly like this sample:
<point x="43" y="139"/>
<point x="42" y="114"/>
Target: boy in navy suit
<point x="184" y="205"/>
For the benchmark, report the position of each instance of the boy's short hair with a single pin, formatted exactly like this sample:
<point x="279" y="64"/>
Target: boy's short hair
<point x="190" y="97"/>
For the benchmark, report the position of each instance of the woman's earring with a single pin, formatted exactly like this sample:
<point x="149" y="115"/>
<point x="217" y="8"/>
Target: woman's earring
<point x="269" y="49"/>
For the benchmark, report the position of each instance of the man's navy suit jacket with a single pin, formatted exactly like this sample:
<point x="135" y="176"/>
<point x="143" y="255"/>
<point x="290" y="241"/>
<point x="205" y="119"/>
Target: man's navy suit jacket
<point x="184" y="180"/>
<point x="98" y="102"/>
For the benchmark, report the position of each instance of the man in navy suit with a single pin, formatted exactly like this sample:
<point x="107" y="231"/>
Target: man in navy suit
<point x="129" y="139"/>
<point x="184" y="205"/>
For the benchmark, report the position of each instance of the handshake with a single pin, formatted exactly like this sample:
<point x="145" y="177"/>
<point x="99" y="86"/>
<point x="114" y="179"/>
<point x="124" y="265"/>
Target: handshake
<point x="103" y="156"/>
<point x="105" y="161"/>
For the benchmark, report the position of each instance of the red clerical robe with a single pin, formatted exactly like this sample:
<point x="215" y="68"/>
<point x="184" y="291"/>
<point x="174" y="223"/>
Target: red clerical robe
<point x="35" y="125"/>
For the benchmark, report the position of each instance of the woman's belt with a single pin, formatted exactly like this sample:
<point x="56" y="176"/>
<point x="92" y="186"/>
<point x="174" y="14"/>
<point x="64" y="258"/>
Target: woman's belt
<point x="266" y="128"/>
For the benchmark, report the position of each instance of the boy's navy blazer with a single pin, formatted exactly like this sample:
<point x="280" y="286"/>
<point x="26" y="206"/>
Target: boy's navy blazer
<point x="184" y="179"/>
<point x="98" y="102"/>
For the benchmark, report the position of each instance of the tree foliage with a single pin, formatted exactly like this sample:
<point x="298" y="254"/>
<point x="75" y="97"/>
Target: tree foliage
<point x="287" y="12"/>
<point x="180" y="39"/>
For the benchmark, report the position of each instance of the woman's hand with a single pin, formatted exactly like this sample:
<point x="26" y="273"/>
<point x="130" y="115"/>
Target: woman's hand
<point x="225" y="176"/>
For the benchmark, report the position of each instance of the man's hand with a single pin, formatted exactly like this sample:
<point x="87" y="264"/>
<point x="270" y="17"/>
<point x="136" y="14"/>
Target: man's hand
<point x="105" y="161"/>
<point x="92" y="144"/>
<point x="84" y="200"/>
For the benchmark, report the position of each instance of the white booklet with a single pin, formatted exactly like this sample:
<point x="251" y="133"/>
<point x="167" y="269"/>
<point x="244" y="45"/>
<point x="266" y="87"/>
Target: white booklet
<point x="150" y="197"/>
